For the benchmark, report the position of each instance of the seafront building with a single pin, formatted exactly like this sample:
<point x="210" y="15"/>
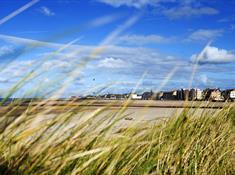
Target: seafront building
<point x="179" y="94"/>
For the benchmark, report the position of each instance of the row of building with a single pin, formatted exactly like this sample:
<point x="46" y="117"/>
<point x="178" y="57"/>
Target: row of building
<point x="180" y="94"/>
<point x="192" y="95"/>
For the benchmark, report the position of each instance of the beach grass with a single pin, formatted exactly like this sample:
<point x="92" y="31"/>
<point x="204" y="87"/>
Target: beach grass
<point x="74" y="143"/>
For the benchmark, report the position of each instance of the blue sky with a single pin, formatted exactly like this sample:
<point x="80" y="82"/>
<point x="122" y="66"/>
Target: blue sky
<point x="79" y="47"/>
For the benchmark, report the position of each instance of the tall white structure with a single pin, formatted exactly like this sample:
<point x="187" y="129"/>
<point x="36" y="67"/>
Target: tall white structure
<point x="199" y="94"/>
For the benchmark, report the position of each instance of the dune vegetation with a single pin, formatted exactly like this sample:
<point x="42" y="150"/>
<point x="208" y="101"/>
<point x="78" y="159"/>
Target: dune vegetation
<point x="73" y="143"/>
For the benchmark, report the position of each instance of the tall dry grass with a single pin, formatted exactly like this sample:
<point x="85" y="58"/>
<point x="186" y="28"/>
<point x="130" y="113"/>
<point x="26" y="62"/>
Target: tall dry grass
<point x="74" y="142"/>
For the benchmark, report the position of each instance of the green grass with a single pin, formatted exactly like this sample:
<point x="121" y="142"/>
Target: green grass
<point x="75" y="143"/>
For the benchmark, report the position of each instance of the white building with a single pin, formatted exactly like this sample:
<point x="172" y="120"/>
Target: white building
<point x="199" y="95"/>
<point x="232" y="95"/>
<point x="135" y="97"/>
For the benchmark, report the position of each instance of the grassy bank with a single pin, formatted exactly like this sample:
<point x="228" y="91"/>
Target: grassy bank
<point x="72" y="143"/>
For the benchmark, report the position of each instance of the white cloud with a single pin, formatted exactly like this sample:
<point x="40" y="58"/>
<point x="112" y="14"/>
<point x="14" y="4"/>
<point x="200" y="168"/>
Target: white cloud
<point x="112" y="63"/>
<point x="204" y="35"/>
<point x="144" y="39"/>
<point x="113" y="60"/>
<point x="227" y="19"/>
<point x="4" y="50"/>
<point x="189" y="11"/>
<point x="4" y="80"/>
<point x="214" y="55"/>
<point x="46" y="11"/>
<point x="16" y="69"/>
<point x="130" y="3"/>
<point x="142" y="3"/>
<point x="204" y="79"/>
<point x="61" y="64"/>
<point x="179" y="9"/>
